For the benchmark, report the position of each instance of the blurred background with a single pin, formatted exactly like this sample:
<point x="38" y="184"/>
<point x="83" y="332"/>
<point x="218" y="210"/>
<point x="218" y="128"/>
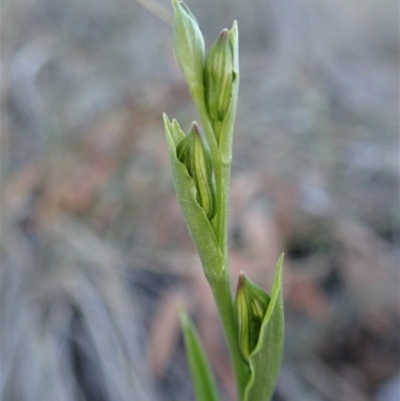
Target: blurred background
<point x="95" y="256"/>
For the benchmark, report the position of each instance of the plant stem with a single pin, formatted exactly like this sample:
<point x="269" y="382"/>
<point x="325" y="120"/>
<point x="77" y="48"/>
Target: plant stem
<point x="220" y="285"/>
<point x="222" y="294"/>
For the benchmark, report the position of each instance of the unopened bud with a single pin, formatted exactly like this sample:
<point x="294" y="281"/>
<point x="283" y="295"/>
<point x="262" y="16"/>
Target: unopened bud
<point x="218" y="77"/>
<point x="188" y="44"/>
<point x="193" y="152"/>
<point x="251" y="304"/>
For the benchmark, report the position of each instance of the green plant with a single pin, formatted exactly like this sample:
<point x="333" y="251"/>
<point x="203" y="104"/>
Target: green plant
<point x="253" y="322"/>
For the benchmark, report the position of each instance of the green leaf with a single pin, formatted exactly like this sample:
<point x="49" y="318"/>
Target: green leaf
<point x="265" y="360"/>
<point x="200" y="370"/>
<point x="188" y="45"/>
<point x="196" y="219"/>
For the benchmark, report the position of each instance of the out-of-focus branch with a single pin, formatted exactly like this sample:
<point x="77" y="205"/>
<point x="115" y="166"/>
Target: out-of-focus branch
<point x="157" y="9"/>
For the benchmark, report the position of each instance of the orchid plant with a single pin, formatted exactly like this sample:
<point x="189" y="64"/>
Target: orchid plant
<point x="201" y="162"/>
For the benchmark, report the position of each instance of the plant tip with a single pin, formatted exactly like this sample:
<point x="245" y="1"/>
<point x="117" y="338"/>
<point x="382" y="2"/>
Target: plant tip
<point x="223" y="34"/>
<point x="195" y="128"/>
<point x="240" y="282"/>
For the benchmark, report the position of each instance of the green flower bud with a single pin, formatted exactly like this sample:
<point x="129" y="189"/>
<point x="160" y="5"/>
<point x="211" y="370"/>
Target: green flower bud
<point x="193" y="152"/>
<point x="251" y="304"/>
<point x="188" y="45"/>
<point x="219" y="76"/>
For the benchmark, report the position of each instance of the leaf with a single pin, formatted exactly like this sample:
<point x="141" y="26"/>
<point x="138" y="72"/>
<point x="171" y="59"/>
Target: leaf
<point x="200" y="370"/>
<point x="196" y="220"/>
<point x="265" y="360"/>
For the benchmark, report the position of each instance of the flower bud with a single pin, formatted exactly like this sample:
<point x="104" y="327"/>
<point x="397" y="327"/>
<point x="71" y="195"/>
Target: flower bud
<point x="251" y="304"/>
<point x="218" y="77"/>
<point x="188" y="45"/>
<point x="193" y="152"/>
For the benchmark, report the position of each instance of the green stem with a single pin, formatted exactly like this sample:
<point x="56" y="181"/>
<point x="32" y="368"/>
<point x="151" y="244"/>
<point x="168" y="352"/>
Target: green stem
<point x="223" y="299"/>
<point x="220" y="285"/>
